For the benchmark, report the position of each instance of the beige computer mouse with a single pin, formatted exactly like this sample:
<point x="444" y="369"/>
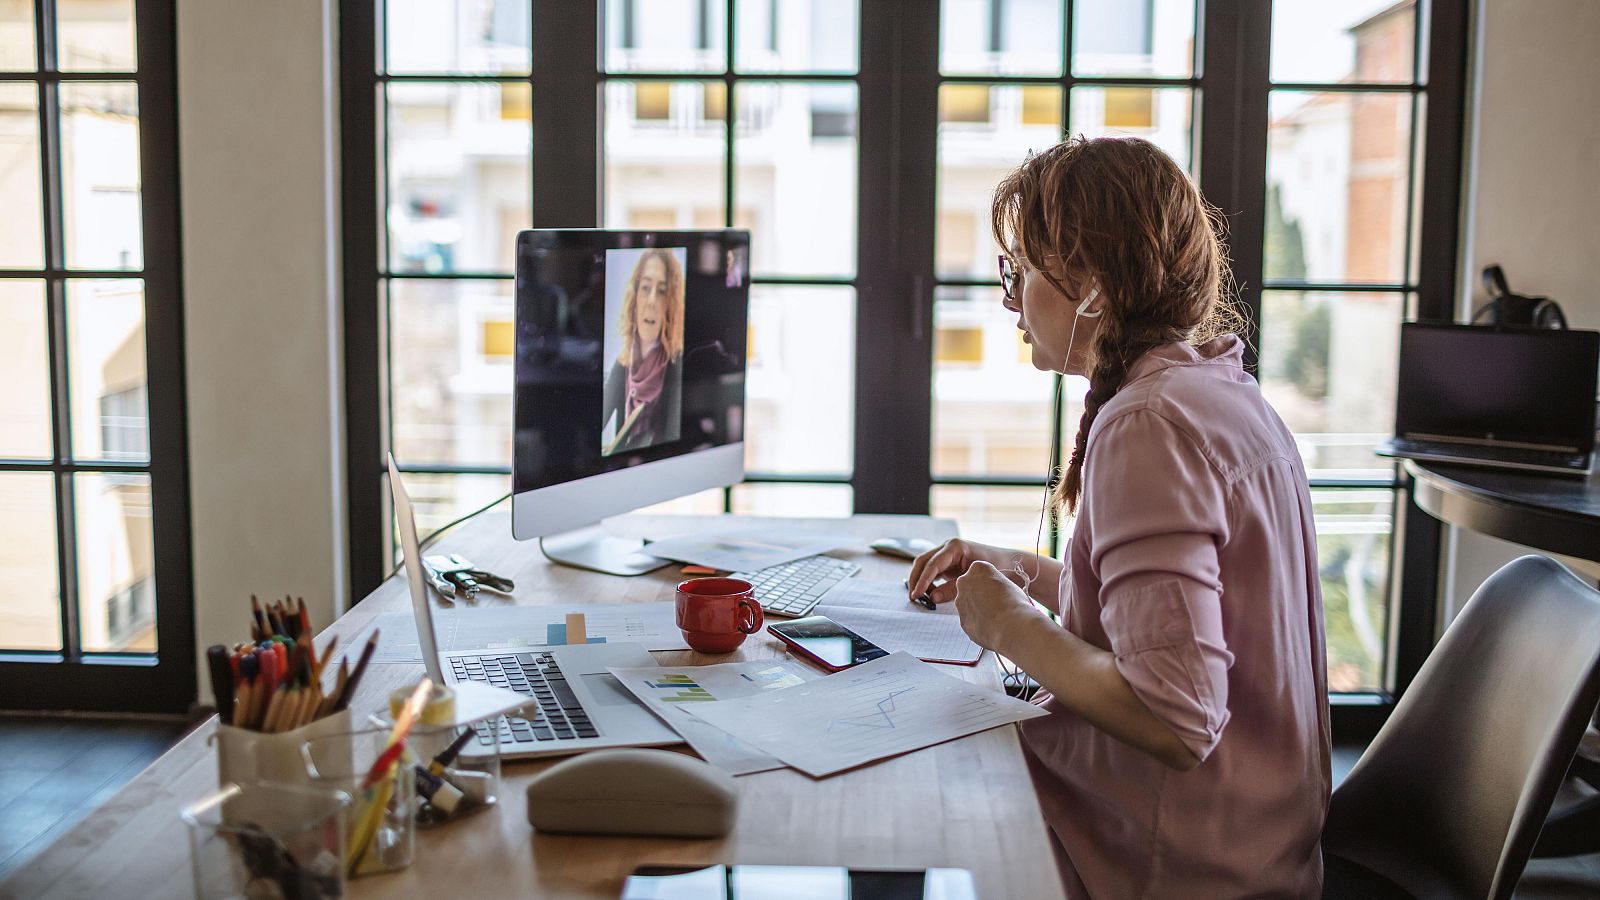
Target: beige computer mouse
<point x="653" y="792"/>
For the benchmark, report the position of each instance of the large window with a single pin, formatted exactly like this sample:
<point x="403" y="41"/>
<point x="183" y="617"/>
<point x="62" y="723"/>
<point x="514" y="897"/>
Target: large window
<point x="92" y="496"/>
<point x="1016" y="75"/>
<point x="860" y="143"/>
<point x="1344" y="132"/>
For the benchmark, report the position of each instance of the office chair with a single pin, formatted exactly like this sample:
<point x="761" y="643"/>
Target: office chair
<point x="1449" y="798"/>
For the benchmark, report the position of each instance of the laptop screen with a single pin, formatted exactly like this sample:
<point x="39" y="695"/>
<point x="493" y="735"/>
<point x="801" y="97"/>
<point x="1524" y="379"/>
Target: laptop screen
<point x="1505" y="385"/>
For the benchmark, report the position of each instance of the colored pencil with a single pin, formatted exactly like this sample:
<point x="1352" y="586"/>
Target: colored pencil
<point x="361" y="669"/>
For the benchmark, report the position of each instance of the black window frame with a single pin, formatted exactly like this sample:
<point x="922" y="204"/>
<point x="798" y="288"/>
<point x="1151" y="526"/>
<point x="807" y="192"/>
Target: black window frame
<point x="164" y="681"/>
<point x="898" y="82"/>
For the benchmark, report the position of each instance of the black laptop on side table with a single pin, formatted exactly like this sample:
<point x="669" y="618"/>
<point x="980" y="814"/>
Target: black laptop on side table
<point x="1508" y="398"/>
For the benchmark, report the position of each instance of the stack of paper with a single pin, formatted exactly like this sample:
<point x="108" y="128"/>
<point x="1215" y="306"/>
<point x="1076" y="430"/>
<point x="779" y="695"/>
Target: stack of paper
<point x="672" y="692"/>
<point x="744" y="548"/>
<point x="880" y="612"/>
<point x="878" y="709"/>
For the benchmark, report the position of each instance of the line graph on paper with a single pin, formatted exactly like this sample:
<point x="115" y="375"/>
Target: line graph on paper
<point x="885" y="707"/>
<point x="882" y="718"/>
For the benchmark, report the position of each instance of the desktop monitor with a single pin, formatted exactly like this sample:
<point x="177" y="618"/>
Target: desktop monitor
<point x="630" y="381"/>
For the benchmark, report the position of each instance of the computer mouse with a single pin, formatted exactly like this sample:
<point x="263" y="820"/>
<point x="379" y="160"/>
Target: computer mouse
<point x="628" y="791"/>
<point x="905" y="548"/>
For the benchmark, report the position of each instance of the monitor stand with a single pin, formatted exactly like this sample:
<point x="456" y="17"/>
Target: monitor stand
<point x="591" y="548"/>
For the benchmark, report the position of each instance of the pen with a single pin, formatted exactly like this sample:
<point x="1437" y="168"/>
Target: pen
<point x="221" y="680"/>
<point x="249" y="668"/>
<point x="923" y="600"/>
<point x="443" y="760"/>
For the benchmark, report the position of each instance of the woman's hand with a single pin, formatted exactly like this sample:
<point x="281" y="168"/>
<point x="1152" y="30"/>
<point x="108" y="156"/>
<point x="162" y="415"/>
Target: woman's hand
<point x="948" y="560"/>
<point x="992" y="606"/>
<point x="954" y="557"/>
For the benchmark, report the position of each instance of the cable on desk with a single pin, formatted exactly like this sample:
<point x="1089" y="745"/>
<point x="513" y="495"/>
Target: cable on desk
<point x="437" y="533"/>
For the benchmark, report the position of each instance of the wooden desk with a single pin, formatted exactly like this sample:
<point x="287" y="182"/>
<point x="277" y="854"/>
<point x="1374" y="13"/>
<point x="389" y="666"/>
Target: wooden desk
<point x="967" y="803"/>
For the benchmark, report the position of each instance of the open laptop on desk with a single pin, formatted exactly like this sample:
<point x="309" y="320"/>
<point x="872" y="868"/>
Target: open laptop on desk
<point x="581" y="706"/>
<point x="1503" y="397"/>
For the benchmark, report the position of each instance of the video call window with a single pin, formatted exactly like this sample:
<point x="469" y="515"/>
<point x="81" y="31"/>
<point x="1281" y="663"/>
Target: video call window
<point x="643" y="398"/>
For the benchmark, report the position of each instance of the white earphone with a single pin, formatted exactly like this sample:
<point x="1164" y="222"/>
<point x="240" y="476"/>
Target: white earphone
<point x="1016" y="562"/>
<point x="1085" y="305"/>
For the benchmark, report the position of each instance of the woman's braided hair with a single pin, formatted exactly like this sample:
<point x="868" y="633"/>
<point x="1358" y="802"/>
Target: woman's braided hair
<point x="1119" y="213"/>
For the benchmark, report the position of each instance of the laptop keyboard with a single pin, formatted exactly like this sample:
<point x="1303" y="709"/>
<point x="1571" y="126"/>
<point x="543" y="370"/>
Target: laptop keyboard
<point x="536" y="675"/>
<point x="1554" y="458"/>
<point x="793" y="588"/>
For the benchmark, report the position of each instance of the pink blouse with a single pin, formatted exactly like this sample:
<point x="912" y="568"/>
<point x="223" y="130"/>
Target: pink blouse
<point x="1194" y="561"/>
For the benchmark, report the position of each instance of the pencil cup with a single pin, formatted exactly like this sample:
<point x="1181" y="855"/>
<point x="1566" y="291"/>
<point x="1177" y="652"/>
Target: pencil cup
<point x="468" y="783"/>
<point x="381" y="827"/>
<point x="244" y="755"/>
<point x="268" y="840"/>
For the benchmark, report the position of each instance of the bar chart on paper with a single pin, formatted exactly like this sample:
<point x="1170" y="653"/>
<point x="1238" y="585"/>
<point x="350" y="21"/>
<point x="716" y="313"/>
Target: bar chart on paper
<point x="678" y="689"/>
<point x="511" y="628"/>
<point x="673" y="692"/>
<point x="891" y="705"/>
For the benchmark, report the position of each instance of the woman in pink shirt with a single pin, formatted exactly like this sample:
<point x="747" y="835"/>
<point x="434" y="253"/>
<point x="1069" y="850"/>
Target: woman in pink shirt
<point x="1186" y="754"/>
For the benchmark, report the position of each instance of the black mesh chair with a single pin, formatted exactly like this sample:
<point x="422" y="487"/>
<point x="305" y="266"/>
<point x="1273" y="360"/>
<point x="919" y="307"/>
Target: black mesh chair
<point x="1450" y="797"/>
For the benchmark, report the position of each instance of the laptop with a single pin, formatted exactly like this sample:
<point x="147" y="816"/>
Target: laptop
<point x="1508" y="398"/>
<point x="581" y="706"/>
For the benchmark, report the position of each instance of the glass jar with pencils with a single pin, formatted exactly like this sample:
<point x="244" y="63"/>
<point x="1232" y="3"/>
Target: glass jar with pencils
<point x="268" y="840"/>
<point x="456" y="768"/>
<point x="373" y="767"/>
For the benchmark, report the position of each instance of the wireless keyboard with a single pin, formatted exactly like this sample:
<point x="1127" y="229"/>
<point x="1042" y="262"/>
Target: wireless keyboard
<point x="793" y="588"/>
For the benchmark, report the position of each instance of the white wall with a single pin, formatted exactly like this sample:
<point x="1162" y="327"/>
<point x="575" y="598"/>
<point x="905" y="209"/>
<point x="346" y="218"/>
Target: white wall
<point x="258" y="153"/>
<point x="1532" y="201"/>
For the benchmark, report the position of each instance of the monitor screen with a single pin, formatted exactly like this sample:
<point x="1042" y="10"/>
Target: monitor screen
<point x="630" y="349"/>
<point x="1515" y="385"/>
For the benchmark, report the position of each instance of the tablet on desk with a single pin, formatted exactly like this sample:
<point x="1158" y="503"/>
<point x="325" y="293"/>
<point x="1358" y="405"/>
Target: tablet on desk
<point x="784" y="882"/>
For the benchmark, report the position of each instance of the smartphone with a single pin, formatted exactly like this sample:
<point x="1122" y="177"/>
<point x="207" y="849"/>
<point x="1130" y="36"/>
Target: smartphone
<point x="826" y="642"/>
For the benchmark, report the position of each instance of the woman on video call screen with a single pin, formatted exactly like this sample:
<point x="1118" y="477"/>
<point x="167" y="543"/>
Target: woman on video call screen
<point x="643" y="396"/>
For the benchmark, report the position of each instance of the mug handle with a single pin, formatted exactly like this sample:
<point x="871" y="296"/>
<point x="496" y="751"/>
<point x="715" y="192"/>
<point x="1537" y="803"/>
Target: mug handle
<point x="750" y="616"/>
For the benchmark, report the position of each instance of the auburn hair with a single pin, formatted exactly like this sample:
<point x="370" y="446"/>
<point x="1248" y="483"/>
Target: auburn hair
<point x="671" y="313"/>
<point x="1120" y="214"/>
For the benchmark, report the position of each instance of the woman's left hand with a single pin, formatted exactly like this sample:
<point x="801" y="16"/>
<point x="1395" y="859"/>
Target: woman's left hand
<point x="991" y="606"/>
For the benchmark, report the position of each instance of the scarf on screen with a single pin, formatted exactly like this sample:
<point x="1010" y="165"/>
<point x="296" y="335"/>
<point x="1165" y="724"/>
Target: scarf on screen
<point x="646" y="375"/>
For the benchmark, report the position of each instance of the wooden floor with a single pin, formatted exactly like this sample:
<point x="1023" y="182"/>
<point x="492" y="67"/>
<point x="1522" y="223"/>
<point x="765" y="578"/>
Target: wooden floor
<point x="54" y="771"/>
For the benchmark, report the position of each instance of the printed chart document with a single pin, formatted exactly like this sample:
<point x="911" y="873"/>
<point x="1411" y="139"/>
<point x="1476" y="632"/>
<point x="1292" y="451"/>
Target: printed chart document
<point x="671" y="691"/>
<point x="879" y="611"/>
<point x="516" y="628"/>
<point x="891" y="705"/>
<point x="744" y="549"/>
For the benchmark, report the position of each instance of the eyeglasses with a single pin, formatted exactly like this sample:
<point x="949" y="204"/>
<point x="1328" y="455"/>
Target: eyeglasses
<point x="1010" y="278"/>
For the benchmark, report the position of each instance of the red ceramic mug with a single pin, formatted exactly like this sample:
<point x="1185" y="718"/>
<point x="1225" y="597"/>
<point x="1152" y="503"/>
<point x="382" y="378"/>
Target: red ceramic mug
<point x="716" y="613"/>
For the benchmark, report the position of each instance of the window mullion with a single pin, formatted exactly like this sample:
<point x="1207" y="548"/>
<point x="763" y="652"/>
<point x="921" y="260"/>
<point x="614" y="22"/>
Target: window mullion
<point x="898" y="116"/>
<point x="730" y="121"/>
<point x="1233" y="141"/>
